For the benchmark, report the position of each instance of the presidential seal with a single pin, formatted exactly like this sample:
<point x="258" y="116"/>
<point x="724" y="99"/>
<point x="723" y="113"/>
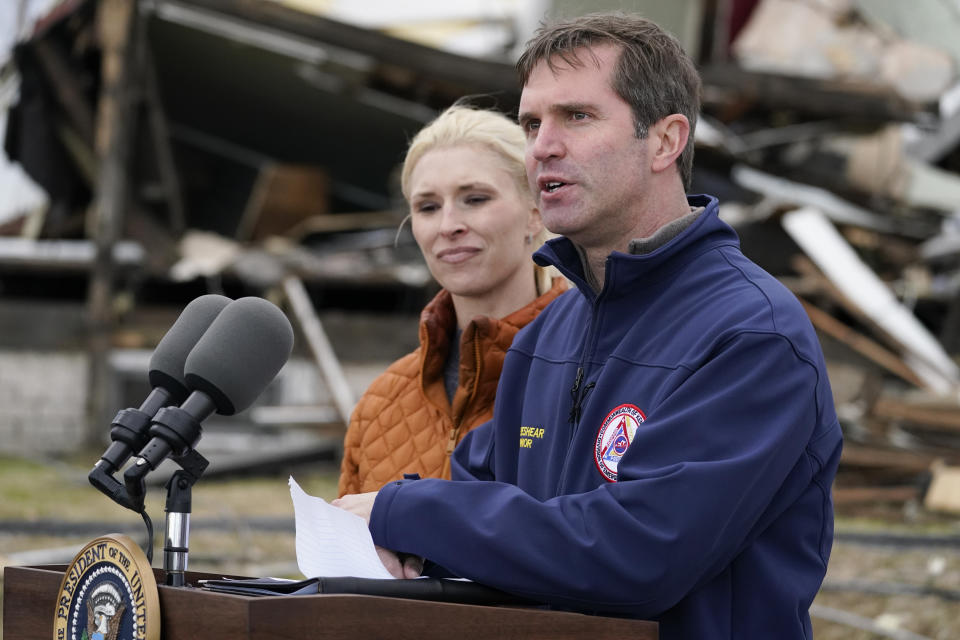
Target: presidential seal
<point x="613" y="438"/>
<point x="108" y="593"/>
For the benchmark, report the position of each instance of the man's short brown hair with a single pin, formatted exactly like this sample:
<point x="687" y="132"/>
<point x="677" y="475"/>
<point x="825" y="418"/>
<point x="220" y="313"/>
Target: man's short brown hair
<point x="653" y="73"/>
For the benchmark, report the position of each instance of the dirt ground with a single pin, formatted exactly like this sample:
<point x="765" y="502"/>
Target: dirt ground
<point x="244" y="526"/>
<point x="858" y="565"/>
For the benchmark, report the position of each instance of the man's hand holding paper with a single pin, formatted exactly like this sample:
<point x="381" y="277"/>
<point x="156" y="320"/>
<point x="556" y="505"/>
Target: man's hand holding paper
<point x="334" y="542"/>
<point x="399" y="565"/>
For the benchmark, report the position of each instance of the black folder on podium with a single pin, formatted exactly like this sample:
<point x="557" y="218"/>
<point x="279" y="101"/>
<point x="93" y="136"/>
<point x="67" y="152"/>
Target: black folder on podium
<point x="454" y="590"/>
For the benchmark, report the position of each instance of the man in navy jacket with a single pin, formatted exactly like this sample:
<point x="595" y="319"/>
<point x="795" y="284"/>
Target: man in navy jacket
<point x="664" y="438"/>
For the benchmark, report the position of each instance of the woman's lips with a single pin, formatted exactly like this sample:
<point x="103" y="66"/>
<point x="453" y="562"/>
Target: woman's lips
<point x="457" y="254"/>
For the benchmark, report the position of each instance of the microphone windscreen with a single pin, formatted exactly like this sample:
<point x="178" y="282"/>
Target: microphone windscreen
<point x="241" y="352"/>
<point x="170" y="356"/>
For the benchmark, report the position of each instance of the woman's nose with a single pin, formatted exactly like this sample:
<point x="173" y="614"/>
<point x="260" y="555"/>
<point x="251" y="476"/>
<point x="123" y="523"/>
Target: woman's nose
<point x="451" y="222"/>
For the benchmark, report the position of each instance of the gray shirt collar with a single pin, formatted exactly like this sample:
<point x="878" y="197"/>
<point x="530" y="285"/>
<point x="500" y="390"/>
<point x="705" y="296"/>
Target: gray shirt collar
<point x="643" y="246"/>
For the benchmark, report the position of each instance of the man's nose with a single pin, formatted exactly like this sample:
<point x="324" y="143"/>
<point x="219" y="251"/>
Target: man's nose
<point x="548" y="143"/>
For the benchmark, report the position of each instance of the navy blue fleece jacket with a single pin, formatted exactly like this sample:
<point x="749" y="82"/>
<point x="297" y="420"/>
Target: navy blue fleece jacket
<point x="662" y="449"/>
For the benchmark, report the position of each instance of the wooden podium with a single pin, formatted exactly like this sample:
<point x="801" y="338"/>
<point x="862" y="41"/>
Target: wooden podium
<point x="30" y="593"/>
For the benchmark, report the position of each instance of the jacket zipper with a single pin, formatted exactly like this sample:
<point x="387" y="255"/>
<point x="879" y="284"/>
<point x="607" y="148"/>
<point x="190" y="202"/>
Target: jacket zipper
<point x="578" y="394"/>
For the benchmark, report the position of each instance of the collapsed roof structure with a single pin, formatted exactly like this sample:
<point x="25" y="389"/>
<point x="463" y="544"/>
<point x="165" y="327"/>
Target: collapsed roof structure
<point x="247" y="142"/>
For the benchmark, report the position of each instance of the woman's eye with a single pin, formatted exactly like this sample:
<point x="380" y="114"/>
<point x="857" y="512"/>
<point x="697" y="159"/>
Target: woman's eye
<point x="426" y="207"/>
<point x="476" y="200"/>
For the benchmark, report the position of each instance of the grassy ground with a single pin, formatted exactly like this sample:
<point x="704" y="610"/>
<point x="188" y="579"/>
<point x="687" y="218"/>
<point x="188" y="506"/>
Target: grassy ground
<point x="59" y="491"/>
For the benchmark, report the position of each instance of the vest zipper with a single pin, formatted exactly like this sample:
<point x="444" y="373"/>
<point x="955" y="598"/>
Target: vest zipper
<point x="458" y="418"/>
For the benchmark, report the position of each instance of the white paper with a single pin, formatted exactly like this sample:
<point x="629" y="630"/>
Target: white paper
<point x="332" y="542"/>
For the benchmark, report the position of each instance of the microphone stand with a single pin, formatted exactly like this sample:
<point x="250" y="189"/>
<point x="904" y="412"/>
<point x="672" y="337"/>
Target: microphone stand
<point x="175" y="431"/>
<point x="176" y="428"/>
<point x="176" y="544"/>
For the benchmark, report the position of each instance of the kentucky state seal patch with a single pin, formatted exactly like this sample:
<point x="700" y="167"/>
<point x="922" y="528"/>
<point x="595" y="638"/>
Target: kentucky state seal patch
<point x="108" y="593"/>
<point x="613" y="438"/>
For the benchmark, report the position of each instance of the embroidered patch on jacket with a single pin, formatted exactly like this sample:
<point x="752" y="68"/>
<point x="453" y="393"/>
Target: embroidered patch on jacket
<point x="613" y="438"/>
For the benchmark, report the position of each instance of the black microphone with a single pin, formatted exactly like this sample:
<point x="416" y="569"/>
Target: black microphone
<point x="233" y="362"/>
<point x="130" y="428"/>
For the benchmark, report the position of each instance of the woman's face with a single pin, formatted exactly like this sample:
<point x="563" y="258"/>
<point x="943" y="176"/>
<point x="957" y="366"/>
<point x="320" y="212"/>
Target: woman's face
<point x="471" y="221"/>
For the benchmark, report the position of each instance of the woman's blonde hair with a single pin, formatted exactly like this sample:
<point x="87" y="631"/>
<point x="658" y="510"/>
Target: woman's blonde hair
<point x="465" y="125"/>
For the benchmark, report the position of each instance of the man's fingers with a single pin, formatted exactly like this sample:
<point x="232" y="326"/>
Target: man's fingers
<point x="391" y="562"/>
<point x="359" y="504"/>
<point x="412" y="567"/>
<point x="407" y="567"/>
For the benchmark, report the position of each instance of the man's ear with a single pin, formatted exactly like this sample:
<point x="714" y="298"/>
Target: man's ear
<point x="667" y="139"/>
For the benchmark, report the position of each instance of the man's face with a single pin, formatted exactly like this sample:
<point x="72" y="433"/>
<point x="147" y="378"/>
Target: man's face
<point x="586" y="167"/>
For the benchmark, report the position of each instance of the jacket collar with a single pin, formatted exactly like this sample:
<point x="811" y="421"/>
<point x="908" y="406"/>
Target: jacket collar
<point x="626" y="271"/>
<point x="438" y="322"/>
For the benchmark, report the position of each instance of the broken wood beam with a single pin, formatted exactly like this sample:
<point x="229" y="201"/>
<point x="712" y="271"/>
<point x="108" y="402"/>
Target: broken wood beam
<point x="810" y="271"/>
<point x="833" y="255"/>
<point x="940" y="418"/>
<point x="861" y="344"/>
<point x="66" y="89"/>
<point x="844" y="496"/>
<point x="160" y="132"/>
<point x="113" y="139"/>
<point x="724" y="83"/>
<point x="338" y="222"/>
<point x="320" y="346"/>
<point x="871" y="457"/>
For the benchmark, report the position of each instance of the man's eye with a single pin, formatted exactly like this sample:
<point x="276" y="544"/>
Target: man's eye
<point x="579" y="115"/>
<point x="532" y="125"/>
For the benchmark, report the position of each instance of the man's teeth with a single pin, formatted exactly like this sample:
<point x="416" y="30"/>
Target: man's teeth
<point x="553" y="186"/>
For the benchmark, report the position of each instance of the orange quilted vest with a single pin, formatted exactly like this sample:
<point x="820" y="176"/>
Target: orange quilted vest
<point x="404" y="422"/>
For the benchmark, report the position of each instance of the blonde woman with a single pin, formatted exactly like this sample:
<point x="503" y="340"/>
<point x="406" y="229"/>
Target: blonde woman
<point x="475" y="221"/>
